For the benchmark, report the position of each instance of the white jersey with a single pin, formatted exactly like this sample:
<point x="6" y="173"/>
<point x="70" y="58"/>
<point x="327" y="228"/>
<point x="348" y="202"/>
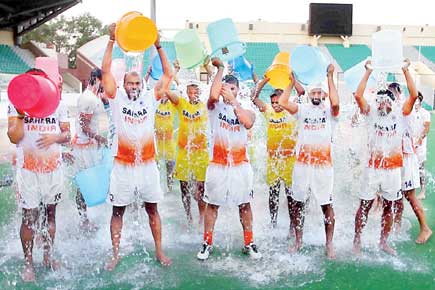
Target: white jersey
<point x="315" y="128"/>
<point x="229" y="136"/>
<point x="134" y="127"/>
<point x="29" y="156"/>
<point x="385" y="137"/>
<point x="87" y="104"/>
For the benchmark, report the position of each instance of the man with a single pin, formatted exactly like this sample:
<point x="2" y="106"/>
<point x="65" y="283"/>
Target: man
<point x="39" y="176"/>
<point x="421" y="130"/>
<point x="313" y="171"/>
<point x="164" y="126"/>
<point x="192" y="155"/>
<point x="386" y="121"/>
<point x="280" y="147"/>
<point x="87" y="142"/>
<point x="409" y="172"/>
<point x="229" y="176"/>
<point x="134" y="175"/>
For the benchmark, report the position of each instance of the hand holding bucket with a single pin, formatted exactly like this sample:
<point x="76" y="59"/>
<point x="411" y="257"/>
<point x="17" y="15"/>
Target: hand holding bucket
<point x="224" y="40"/>
<point x="34" y="93"/>
<point x="242" y="68"/>
<point x="279" y="72"/>
<point x="387" y="50"/>
<point x="353" y="76"/>
<point x="309" y="64"/>
<point x="135" y="32"/>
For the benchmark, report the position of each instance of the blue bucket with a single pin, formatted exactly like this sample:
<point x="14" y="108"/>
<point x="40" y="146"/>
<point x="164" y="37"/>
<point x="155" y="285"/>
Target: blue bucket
<point x="353" y="76"/>
<point x="224" y="40"/>
<point x="94" y="182"/>
<point x="242" y="68"/>
<point x="309" y="64"/>
<point x="156" y="68"/>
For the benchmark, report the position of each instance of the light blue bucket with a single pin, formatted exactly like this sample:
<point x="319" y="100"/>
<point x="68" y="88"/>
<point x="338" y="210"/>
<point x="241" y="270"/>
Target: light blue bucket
<point x="353" y="76"/>
<point x="309" y="64"/>
<point x="224" y="40"/>
<point x="94" y="182"/>
<point x="242" y="68"/>
<point x="156" y="68"/>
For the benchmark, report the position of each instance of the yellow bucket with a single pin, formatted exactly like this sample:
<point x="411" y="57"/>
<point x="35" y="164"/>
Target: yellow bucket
<point x="279" y="71"/>
<point x="135" y="32"/>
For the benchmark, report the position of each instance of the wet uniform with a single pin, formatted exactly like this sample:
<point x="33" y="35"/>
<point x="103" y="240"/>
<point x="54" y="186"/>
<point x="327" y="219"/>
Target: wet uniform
<point x="313" y="170"/>
<point x="164" y="126"/>
<point x="383" y="172"/>
<point x="229" y="177"/>
<point x="40" y="178"/>
<point x="409" y="171"/>
<point x="134" y="176"/>
<point x="192" y="155"/>
<point x="280" y="146"/>
<point x="85" y="149"/>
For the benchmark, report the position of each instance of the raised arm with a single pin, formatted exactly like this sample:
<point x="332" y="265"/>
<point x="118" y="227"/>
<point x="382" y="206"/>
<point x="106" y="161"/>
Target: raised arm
<point x="165" y="82"/>
<point x="299" y="88"/>
<point x="246" y="117"/>
<point x="333" y="94"/>
<point x="413" y="93"/>
<point x="256" y="93"/>
<point x="284" y="99"/>
<point x="216" y="86"/>
<point x="109" y="81"/>
<point x="359" y="94"/>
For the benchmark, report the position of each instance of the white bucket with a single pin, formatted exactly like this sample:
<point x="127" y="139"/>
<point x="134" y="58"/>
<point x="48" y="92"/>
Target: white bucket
<point x="387" y="50"/>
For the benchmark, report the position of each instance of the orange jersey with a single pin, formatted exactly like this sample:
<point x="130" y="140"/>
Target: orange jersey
<point x="230" y="137"/>
<point x="134" y="128"/>
<point x="385" y="137"/>
<point x="29" y="156"/>
<point x="315" y="128"/>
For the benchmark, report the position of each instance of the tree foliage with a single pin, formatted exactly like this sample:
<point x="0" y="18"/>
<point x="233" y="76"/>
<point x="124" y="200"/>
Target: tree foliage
<point x="68" y="34"/>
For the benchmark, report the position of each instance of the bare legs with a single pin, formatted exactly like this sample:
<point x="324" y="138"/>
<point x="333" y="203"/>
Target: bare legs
<point x="116" y="228"/>
<point x="27" y="233"/>
<point x="387" y="222"/>
<point x="198" y="188"/>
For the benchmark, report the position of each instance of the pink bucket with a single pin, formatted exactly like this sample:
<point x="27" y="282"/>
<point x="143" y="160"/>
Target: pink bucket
<point x="35" y="94"/>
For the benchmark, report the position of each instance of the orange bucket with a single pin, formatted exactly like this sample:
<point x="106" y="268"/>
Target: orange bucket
<point x="279" y="71"/>
<point x="135" y="32"/>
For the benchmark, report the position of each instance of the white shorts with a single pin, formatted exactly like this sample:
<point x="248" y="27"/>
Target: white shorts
<point x="86" y="157"/>
<point x="35" y="188"/>
<point x="317" y="180"/>
<point x="421" y="154"/>
<point x="229" y="184"/>
<point x="410" y="172"/>
<point x="134" y="183"/>
<point x="387" y="182"/>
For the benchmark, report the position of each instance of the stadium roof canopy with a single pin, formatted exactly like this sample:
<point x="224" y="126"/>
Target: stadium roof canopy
<point x="25" y="15"/>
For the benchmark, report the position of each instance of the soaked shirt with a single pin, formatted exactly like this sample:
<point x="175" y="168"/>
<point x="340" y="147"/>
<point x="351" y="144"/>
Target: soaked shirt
<point x="192" y="132"/>
<point x="29" y="156"/>
<point x="88" y="104"/>
<point x="230" y="137"/>
<point x="134" y="127"/>
<point x="280" y="133"/>
<point x="315" y="128"/>
<point x="164" y="121"/>
<point x="385" y="137"/>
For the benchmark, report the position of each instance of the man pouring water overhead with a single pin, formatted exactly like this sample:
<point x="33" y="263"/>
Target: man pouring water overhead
<point x="135" y="176"/>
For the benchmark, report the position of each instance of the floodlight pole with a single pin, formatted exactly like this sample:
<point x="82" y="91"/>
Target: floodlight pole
<point x="153" y="9"/>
